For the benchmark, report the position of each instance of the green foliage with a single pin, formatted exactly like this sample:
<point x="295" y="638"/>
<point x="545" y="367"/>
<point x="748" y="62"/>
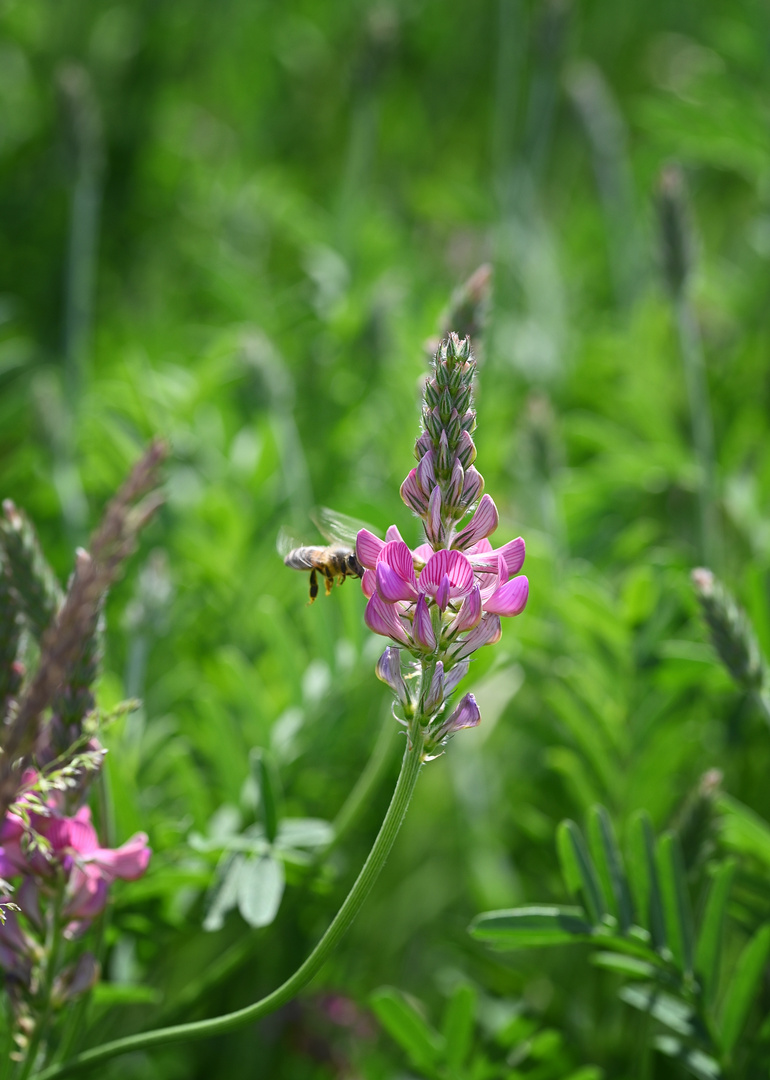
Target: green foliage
<point x="675" y="972"/>
<point x="237" y="228"/>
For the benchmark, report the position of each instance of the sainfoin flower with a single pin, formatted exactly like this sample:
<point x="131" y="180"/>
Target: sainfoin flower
<point x="53" y="847"/>
<point x="444" y="599"/>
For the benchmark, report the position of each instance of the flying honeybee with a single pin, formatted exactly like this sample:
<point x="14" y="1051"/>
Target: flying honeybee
<point x="334" y="562"/>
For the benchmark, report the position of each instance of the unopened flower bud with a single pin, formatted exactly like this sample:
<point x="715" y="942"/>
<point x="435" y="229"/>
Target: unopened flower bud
<point x="426" y="474"/>
<point x="466" y="450"/>
<point x="445" y="407"/>
<point x="731" y="633"/>
<point x="388" y="670"/>
<point x="473" y="485"/>
<point x="466" y="715"/>
<point x="422" y="446"/>
<point x="422" y="629"/>
<point x="444" y="460"/>
<point x="456" y="483"/>
<point x="453" y="428"/>
<point x="413" y="495"/>
<point x="431" y="393"/>
<point x="435" y="694"/>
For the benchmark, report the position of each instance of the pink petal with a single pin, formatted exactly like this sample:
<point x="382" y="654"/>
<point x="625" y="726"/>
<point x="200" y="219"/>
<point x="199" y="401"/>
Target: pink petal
<point x="455" y="676"/>
<point x="88" y="895"/>
<point x="433" y="529"/>
<point x="391" y="586"/>
<point x="509" y="599"/>
<point x="426" y="474"/>
<point x="466" y="715"/>
<point x="487" y="632"/>
<point x="454" y="565"/>
<point x="368" y="583"/>
<point x="435" y="694"/>
<point x="455" y="484"/>
<point x="78" y="835"/>
<point x="127" y="862"/>
<point x="443" y="592"/>
<point x="412" y="494"/>
<point x="469" y="614"/>
<point x="483" y="523"/>
<point x="393" y="534"/>
<point x="381" y="617"/>
<point x="513" y="552"/>
<point x="422" y="553"/>
<point x="422" y="630"/>
<point x="473" y="485"/>
<point x="368" y="547"/>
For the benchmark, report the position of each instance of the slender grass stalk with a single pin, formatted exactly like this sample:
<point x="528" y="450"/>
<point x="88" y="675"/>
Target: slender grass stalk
<point x="402" y="795"/>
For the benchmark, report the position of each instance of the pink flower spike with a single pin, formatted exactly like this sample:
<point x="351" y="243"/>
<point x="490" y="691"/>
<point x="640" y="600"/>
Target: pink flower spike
<point x="422" y="630"/>
<point x="381" y="617"/>
<point x="510" y="598"/>
<point x="443" y="592"/>
<point x="451" y="564"/>
<point x="412" y="494"/>
<point x="393" y="534"/>
<point x="482" y="524"/>
<point x="368" y="547"/>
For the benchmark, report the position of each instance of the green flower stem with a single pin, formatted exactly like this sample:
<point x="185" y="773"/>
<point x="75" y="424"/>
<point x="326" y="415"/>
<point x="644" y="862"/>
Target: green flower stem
<point x="53" y="946"/>
<point x="410" y="770"/>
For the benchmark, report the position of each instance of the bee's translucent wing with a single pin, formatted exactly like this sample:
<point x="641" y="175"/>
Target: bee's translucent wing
<point x="338" y="528"/>
<point x="286" y="542"/>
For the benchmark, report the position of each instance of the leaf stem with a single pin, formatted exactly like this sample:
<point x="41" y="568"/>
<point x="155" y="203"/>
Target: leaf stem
<point x="405" y="785"/>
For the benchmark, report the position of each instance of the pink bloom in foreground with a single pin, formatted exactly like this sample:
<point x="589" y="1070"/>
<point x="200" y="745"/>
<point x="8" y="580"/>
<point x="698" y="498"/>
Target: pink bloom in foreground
<point x="404" y="586"/>
<point x="73" y="849"/>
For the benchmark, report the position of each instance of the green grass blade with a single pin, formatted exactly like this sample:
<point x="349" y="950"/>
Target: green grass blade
<point x="264" y="774"/>
<point x="709" y="948"/>
<point x="643" y="874"/>
<point x="458" y="1023"/>
<point x="609" y="864"/>
<point x="579" y="871"/>
<point x="522" y="928"/>
<point x="680" y="929"/>
<point x="743" y="988"/>
<point x="421" y="1042"/>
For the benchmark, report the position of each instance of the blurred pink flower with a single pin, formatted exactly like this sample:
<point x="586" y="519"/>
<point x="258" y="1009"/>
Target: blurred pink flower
<point x="72" y="848"/>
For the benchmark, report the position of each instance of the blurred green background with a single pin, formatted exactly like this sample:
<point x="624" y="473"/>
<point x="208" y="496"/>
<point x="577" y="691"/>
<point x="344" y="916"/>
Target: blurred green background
<point x="235" y="225"/>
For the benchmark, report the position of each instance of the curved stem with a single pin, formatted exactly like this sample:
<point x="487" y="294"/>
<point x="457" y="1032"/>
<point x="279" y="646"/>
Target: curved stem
<point x="410" y="770"/>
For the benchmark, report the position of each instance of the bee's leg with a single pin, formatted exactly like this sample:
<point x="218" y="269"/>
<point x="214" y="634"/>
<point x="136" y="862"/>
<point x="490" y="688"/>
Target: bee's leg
<point x="313" y="586"/>
<point x="329" y="581"/>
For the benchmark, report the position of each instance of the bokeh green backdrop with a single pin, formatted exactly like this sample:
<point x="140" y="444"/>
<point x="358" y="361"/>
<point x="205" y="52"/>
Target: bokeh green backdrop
<point x="235" y="225"/>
